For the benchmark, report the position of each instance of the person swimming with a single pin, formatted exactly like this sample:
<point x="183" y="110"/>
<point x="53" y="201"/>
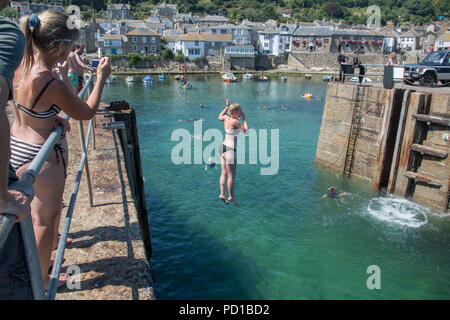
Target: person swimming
<point x="210" y="164"/>
<point x="332" y="193"/>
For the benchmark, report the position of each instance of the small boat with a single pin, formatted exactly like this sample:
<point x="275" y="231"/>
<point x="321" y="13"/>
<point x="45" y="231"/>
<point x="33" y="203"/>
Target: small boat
<point x="367" y="80"/>
<point x="162" y="77"/>
<point x="283" y="79"/>
<point x="186" y="85"/>
<point x="307" y="95"/>
<point x="129" y="79"/>
<point x="354" y="79"/>
<point x="179" y="77"/>
<point x="229" y="77"/>
<point x="148" y="79"/>
<point x="308" y="76"/>
<point x="247" y="76"/>
<point x="263" y="78"/>
<point x="111" y="79"/>
<point x="327" y="78"/>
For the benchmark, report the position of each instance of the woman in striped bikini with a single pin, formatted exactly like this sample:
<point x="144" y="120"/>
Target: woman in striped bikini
<point x="39" y="97"/>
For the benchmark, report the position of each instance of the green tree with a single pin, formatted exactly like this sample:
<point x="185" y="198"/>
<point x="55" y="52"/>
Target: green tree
<point x="333" y="9"/>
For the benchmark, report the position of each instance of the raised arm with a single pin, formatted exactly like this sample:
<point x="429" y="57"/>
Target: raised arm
<point x="75" y="107"/>
<point x="81" y="63"/>
<point x="222" y="115"/>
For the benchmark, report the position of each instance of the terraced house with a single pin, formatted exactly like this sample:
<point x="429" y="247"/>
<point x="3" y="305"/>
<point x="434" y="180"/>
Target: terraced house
<point x="196" y="45"/>
<point x="144" y="41"/>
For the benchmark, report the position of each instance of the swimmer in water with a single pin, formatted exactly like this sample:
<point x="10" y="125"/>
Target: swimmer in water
<point x="266" y="108"/>
<point x="228" y="149"/>
<point x="332" y="193"/>
<point x="210" y="164"/>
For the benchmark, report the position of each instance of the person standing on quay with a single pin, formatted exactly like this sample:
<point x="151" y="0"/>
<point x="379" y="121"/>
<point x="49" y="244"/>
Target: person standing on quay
<point x="77" y="68"/>
<point x="40" y="96"/>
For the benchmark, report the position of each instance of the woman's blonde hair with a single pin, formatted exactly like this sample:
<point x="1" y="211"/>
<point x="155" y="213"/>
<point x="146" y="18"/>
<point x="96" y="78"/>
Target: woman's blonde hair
<point x="393" y="55"/>
<point x="46" y="31"/>
<point x="233" y="107"/>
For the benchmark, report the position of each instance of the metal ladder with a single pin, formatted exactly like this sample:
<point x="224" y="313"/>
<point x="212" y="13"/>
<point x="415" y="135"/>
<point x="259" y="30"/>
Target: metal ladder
<point x="354" y="130"/>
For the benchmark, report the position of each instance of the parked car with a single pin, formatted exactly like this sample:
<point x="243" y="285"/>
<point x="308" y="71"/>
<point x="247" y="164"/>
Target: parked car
<point x="435" y="67"/>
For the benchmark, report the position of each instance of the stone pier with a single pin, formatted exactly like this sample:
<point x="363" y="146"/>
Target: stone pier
<point x="397" y="140"/>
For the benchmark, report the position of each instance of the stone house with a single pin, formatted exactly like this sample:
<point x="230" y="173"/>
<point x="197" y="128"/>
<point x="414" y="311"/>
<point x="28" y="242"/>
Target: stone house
<point x="197" y="45"/>
<point x="212" y="20"/>
<point x="390" y="39"/>
<point x="144" y="41"/>
<point x="166" y="10"/>
<point x="93" y="32"/>
<point x="354" y="41"/>
<point x="312" y="39"/>
<point x="118" y="11"/>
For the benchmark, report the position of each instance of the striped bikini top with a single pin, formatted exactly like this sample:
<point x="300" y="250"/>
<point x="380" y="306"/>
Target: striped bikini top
<point x="53" y="111"/>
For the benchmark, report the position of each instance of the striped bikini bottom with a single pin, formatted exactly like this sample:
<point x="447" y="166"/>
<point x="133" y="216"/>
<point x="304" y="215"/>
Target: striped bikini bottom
<point x="24" y="152"/>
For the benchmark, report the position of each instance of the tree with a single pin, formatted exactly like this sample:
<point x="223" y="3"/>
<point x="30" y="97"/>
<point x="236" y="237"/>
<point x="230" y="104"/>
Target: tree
<point x="334" y="10"/>
<point x="167" y="54"/>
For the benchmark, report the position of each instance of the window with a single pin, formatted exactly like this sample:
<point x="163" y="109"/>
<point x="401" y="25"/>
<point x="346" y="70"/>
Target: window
<point x="213" y="44"/>
<point x="106" y="43"/>
<point x="135" y="48"/>
<point x="144" y="39"/>
<point x="266" y="45"/>
<point x="196" y="43"/>
<point x="153" y="39"/>
<point x="266" y="37"/>
<point x="135" y="39"/>
<point x="153" y="48"/>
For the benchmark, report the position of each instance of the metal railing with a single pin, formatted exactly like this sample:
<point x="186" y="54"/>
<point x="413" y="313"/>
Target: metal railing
<point x="26" y="226"/>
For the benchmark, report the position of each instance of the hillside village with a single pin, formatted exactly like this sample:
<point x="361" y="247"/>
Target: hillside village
<point x="247" y="45"/>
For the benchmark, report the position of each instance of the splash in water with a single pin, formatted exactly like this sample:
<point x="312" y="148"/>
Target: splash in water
<point x="398" y="211"/>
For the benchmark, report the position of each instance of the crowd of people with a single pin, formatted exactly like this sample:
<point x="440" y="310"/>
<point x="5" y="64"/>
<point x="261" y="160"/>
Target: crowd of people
<point x="39" y="68"/>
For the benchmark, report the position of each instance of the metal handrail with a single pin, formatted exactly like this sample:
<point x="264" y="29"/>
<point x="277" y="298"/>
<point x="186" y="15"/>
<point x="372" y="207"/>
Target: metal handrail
<point x="26" y="226"/>
<point x="53" y="286"/>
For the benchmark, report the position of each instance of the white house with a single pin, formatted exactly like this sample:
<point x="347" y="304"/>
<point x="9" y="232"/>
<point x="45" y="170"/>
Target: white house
<point x="443" y="41"/>
<point x="286" y="33"/>
<point x="270" y="42"/>
<point x="197" y="45"/>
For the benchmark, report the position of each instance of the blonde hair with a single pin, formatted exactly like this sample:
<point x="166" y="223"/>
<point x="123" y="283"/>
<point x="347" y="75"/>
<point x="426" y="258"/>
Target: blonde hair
<point x="233" y="107"/>
<point x="49" y="32"/>
<point x="393" y="55"/>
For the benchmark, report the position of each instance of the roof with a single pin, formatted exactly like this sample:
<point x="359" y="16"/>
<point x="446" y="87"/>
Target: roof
<point x="118" y="6"/>
<point x="410" y="33"/>
<point x="142" y="31"/>
<point x="241" y="46"/>
<point x="206" y="37"/>
<point x="314" y="31"/>
<point x="214" y="18"/>
<point x="269" y="31"/>
<point x="114" y="37"/>
<point x="290" y="28"/>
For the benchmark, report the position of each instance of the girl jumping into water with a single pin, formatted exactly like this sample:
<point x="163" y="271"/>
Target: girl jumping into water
<point x="228" y="149"/>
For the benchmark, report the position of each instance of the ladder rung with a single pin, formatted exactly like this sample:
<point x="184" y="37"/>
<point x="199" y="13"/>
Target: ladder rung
<point x="432" y="119"/>
<point x="430" y="151"/>
<point x="420" y="177"/>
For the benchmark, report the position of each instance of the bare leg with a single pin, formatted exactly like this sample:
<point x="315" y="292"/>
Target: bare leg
<point x="223" y="180"/>
<point x="231" y="170"/>
<point x="46" y="209"/>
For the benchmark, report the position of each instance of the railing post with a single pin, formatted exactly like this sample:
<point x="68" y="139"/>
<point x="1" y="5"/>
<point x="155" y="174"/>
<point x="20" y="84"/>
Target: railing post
<point x="86" y="165"/>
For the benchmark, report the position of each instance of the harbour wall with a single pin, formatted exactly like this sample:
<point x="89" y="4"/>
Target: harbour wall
<point x="395" y="139"/>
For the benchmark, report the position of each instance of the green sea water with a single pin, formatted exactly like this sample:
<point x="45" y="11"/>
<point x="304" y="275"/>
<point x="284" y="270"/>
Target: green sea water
<point x="282" y="241"/>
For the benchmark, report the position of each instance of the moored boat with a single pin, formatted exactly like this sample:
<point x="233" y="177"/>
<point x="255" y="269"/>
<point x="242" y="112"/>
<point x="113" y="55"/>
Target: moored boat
<point x="229" y="77"/>
<point x="148" y="79"/>
<point x="263" y="78"/>
<point x="284" y="78"/>
<point x="247" y="76"/>
<point x="179" y="77"/>
<point x="307" y="95"/>
<point x="129" y="79"/>
<point x="327" y="78"/>
<point x="162" y="77"/>
<point x="308" y="76"/>
<point x="111" y="79"/>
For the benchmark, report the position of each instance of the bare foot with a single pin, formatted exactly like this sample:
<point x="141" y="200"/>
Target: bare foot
<point x="223" y="198"/>
<point x="63" y="278"/>
<point x="56" y="243"/>
<point x="233" y="200"/>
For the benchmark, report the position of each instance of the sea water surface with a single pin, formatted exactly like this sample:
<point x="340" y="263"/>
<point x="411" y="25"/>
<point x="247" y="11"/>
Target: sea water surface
<point x="282" y="241"/>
